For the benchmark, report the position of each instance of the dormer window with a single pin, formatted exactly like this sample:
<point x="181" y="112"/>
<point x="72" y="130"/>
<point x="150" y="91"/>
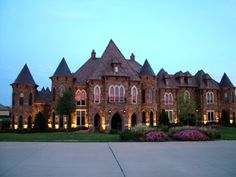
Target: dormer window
<point x="116" y="69"/>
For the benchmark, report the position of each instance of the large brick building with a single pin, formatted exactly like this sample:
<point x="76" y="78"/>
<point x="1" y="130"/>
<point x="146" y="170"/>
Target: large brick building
<point x="113" y="92"/>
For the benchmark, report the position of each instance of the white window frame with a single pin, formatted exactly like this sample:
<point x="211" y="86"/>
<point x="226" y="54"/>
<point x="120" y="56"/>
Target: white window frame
<point x="171" y="119"/>
<point x="117" y="94"/>
<point x="212" y="119"/>
<point x="121" y="97"/>
<point x="80" y="112"/>
<point x="99" y="94"/>
<point x="210" y="97"/>
<point x="168" y="98"/>
<point x="80" y="92"/>
<point x="134" y="98"/>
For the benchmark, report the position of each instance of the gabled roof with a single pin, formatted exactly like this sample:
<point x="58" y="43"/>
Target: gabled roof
<point x="24" y="76"/>
<point x="62" y="69"/>
<point x="201" y="78"/>
<point x="225" y="82"/>
<point x="146" y="69"/>
<point x="95" y="69"/>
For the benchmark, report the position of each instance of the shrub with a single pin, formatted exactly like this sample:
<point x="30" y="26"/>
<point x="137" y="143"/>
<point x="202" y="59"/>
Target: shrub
<point x="127" y="135"/>
<point x="40" y="122"/>
<point x="190" y="135"/>
<point x="156" y="136"/>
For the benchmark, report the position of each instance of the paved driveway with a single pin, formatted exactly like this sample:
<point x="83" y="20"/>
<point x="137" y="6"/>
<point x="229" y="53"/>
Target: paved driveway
<point x="180" y="159"/>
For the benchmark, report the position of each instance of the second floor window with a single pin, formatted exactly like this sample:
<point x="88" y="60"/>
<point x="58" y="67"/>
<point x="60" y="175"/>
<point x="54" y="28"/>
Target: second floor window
<point x="21" y="101"/>
<point x="30" y="99"/>
<point x="210" y="97"/>
<point x="116" y="93"/>
<point x="97" y="94"/>
<point x="150" y="95"/>
<point x="168" y="99"/>
<point x="134" y="94"/>
<point x="80" y="97"/>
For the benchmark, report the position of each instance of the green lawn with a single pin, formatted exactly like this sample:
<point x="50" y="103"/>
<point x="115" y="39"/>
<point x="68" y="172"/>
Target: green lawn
<point x="60" y="136"/>
<point x="228" y="133"/>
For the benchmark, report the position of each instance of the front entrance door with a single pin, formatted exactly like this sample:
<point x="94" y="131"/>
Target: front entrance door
<point x="97" y="122"/>
<point x="116" y="122"/>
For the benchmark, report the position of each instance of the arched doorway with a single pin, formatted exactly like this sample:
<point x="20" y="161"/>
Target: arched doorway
<point x="97" y="122"/>
<point x="29" y="122"/>
<point x="116" y="122"/>
<point x="151" y="119"/>
<point x="133" y="120"/>
<point x="20" y="122"/>
<point x="53" y="119"/>
<point x="61" y="121"/>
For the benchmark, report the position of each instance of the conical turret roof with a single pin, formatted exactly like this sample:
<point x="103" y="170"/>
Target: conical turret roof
<point x="146" y="69"/>
<point x="24" y="76"/>
<point x="62" y="69"/>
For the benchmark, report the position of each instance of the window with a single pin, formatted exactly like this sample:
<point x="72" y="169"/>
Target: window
<point x="21" y="101"/>
<point x="232" y="97"/>
<point x="116" y="93"/>
<point x="97" y="94"/>
<point x="80" y="97"/>
<point x="13" y="98"/>
<point x="170" y="115"/>
<point x="134" y="94"/>
<point x="30" y="99"/>
<point x="211" y="116"/>
<point x="210" y="97"/>
<point x="62" y="89"/>
<point x="144" y="118"/>
<point x="80" y="117"/>
<point x="168" y="99"/>
<point x="186" y="95"/>
<point x="116" y="69"/>
<point x="143" y="96"/>
<point x="150" y="95"/>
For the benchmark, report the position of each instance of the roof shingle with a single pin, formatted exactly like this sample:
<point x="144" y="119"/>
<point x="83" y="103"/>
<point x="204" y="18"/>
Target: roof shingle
<point x="62" y="69"/>
<point x="24" y="76"/>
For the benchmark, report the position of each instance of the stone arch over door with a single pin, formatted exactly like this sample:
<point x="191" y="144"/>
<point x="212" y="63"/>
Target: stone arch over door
<point x="116" y="122"/>
<point x="97" y="122"/>
<point x="20" y="122"/>
<point x="29" y="122"/>
<point x="133" y="120"/>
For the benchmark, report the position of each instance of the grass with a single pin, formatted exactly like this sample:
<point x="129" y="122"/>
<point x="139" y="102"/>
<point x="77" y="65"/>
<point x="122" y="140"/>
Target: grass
<point x="59" y="137"/>
<point x="228" y="133"/>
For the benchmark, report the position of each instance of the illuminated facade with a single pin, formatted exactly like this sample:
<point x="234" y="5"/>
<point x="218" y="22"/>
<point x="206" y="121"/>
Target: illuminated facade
<point x="112" y="92"/>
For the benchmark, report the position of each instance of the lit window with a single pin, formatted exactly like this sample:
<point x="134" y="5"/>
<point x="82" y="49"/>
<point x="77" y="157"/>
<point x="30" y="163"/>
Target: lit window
<point x="97" y="94"/>
<point x="80" y="97"/>
<point x="116" y="69"/>
<point x="134" y="94"/>
<point x="170" y="115"/>
<point x="81" y="118"/>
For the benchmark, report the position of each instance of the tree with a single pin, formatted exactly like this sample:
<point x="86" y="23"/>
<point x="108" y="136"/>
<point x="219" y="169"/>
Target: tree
<point x="186" y="110"/>
<point x="164" y="119"/>
<point x="225" y="118"/>
<point x="40" y="123"/>
<point x="66" y="105"/>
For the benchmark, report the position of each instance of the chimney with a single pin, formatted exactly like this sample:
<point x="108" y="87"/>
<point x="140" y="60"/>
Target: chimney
<point x="93" y="54"/>
<point x="132" y="57"/>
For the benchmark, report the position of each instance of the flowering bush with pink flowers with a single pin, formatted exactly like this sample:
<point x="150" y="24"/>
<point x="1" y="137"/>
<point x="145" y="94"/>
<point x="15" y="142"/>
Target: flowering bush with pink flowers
<point x="190" y="135"/>
<point x="156" y="136"/>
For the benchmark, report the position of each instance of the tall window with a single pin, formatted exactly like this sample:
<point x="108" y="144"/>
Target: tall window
<point x="21" y="101"/>
<point x="116" y="93"/>
<point x="168" y="99"/>
<point x="170" y="115"/>
<point x="211" y="116"/>
<point x="134" y="95"/>
<point x="210" y="97"/>
<point x="30" y="99"/>
<point x="80" y="97"/>
<point x="150" y="95"/>
<point x="97" y="94"/>
<point x="13" y="98"/>
<point x="144" y="118"/>
<point x="62" y="89"/>
<point x="80" y="118"/>
<point x="143" y="96"/>
<point x="186" y="95"/>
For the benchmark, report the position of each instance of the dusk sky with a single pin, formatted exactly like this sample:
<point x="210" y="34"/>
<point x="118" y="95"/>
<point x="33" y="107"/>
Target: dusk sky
<point x="172" y="34"/>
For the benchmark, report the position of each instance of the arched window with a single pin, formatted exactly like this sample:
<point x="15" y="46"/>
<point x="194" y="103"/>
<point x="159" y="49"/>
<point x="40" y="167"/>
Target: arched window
<point x="168" y="99"/>
<point x="134" y="95"/>
<point x="210" y="97"/>
<point x="80" y="97"/>
<point x="21" y="101"/>
<point x="116" y="93"/>
<point x="186" y="95"/>
<point x="53" y="94"/>
<point x="150" y="95"/>
<point x="62" y="89"/>
<point x="97" y="94"/>
<point x="30" y="99"/>
<point x="122" y="93"/>
<point x="143" y="96"/>
<point x="13" y="98"/>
